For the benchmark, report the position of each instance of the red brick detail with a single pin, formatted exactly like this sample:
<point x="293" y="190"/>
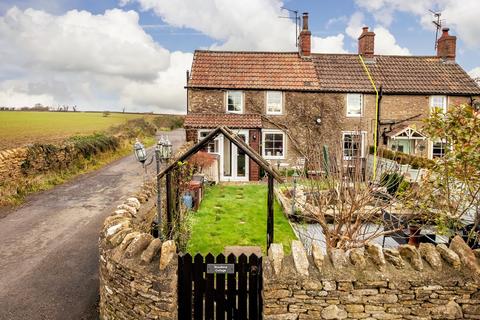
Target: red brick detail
<point x="446" y="45"/>
<point x="366" y="43"/>
<point x="305" y="38"/>
<point x="254" y="142"/>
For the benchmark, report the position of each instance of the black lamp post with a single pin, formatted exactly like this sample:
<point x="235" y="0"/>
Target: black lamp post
<point x="163" y="152"/>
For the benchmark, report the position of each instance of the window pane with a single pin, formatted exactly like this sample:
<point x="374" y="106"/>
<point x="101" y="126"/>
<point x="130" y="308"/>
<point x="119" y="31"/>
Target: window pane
<point x="439" y="102"/>
<point x="234" y="101"/>
<point x="352" y="145"/>
<point x="438" y="150"/>
<point x="212" y="146"/>
<point x="354" y="104"/>
<point x="273" y="144"/>
<point x="274" y="102"/>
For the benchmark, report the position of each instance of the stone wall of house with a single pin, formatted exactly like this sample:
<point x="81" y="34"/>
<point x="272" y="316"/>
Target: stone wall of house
<point x="373" y="283"/>
<point x="301" y="110"/>
<point x="138" y="273"/>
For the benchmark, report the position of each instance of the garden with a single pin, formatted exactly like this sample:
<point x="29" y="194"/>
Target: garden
<point x="235" y="215"/>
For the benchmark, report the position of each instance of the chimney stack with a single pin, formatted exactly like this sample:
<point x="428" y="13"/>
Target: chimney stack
<point x="305" y="38"/>
<point x="366" y="43"/>
<point x="446" y="45"/>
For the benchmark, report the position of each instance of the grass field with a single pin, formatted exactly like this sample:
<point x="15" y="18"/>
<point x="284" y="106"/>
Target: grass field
<point x="236" y="215"/>
<point x="18" y="128"/>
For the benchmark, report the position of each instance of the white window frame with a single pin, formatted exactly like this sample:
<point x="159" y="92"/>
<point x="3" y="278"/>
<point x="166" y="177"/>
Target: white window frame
<point x="442" y="108"/>
<point x="362" y="143"/>
<point x="444" y="149"/>
<point x="273" y="131"/>
<point x="242" y="107"/>
<point x="281" y="103"/>
<point x="361" y="105"/>
<point x="199" y="132"/>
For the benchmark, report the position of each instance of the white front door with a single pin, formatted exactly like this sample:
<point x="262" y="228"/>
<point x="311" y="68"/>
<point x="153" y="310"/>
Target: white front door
<point x="233" y="162"/>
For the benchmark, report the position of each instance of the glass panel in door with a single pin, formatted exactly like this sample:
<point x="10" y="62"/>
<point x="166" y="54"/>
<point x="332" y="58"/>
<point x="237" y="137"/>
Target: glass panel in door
<point x="241" y="160"/>
<point x="227" y="158"/>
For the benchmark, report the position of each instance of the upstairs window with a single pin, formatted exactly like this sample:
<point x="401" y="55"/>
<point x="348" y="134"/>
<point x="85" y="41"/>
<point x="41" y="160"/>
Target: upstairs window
<point x="235" y="101"/>
<point x="354" y="105"/>
<point x="273" y="144"/>
<point x="274" y="102"/>
<point x="353" y="145"/>
<point x="438" y="103"/>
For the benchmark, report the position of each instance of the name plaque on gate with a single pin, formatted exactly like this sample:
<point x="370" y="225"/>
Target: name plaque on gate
<point x="221" y="268"/>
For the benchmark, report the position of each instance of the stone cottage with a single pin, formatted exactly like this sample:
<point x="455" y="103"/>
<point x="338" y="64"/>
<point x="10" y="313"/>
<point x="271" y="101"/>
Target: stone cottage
<point x="285" y="104"/>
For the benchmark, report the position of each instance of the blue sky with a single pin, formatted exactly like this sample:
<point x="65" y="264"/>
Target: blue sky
<point x="133" y="53"/>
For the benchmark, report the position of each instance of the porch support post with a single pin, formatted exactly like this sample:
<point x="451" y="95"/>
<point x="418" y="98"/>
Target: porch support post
<point x="270" y="212"/>
<point x="168" y="187"/>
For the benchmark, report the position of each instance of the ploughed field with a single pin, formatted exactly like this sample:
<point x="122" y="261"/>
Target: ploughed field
<point x="18" y="128"/>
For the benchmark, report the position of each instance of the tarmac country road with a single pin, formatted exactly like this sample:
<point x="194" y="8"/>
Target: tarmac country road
<point x="48" y="246"/>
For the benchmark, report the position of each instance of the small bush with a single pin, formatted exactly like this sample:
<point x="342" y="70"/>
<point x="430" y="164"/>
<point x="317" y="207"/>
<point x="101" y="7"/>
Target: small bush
<point x="91" y="145"/>
<point x="403" y="158"/>
<point x="391" y="181"/>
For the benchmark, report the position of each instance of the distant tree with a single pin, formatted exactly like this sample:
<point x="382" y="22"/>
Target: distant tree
<point x="106" y="113"/>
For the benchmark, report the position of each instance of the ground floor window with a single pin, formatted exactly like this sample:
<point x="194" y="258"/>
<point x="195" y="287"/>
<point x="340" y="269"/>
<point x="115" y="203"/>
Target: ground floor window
<point x="273" y="146"/>
<point x="212" y="146"/>
<point x="438" y="149"/>
<point x="353" y="143"/>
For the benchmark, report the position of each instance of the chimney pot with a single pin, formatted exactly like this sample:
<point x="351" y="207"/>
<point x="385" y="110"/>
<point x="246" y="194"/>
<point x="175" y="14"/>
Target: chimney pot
<point x="366" y="43"/>
<point x="304" y="39"/>
<point x="305" y="21"/>
<point x="446" y="45"/>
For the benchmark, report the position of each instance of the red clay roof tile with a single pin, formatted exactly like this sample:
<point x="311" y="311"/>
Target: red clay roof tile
<point x="328" y="72"/>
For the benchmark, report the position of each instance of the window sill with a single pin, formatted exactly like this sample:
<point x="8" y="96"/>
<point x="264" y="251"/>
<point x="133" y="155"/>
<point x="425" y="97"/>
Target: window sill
<point x="354" y="115"/>
<point x="273" y="157"/>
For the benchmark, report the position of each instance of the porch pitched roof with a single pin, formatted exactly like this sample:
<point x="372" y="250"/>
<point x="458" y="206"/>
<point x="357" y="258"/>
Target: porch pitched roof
<point x="406" y="132"/>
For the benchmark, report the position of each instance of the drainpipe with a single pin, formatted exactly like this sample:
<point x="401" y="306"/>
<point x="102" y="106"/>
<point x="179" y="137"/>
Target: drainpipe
<point x="379" y="116"/>
<point x="375" y="133"/>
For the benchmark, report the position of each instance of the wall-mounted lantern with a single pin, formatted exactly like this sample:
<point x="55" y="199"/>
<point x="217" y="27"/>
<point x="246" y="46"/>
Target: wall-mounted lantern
<point x="140" y="152"/>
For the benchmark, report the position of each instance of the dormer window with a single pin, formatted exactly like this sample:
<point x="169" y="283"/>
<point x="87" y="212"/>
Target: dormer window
<point x="234" y="101"/>
<point x="354" y="105"/>
<point x="274" y="102"/>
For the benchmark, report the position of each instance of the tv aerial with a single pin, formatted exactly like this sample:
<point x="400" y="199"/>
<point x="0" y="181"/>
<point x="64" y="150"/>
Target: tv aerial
<point x="438" y="23"/>
<point x="297" y="22"/>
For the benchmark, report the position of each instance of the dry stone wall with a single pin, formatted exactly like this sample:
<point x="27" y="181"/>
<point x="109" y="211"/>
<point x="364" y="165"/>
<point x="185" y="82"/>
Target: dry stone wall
<point x="11" y="163"/>
<point x="138" y="273"/>
<point x="373" y="283"/>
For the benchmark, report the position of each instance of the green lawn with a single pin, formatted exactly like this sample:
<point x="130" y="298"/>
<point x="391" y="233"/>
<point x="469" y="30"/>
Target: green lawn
<point x="20" y="127"/>
<point x="236" y="215"/>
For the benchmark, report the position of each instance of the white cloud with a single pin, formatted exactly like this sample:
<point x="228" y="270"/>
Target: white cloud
<point x="103" y="61"/>
<point x="385" y="43"/>
<point x="332" y="44"/>
<point x="475" y="73"/>
<point x="462" y="16"/>
<point x="355" y="24"/>
<point x="237" y="25"/>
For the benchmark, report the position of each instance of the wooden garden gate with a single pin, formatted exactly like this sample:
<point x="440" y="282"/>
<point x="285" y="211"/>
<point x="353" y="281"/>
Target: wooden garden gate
<point x="213" y="288"/>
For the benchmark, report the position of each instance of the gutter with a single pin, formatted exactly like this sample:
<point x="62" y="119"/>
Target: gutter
<point x="377" y="100"/>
